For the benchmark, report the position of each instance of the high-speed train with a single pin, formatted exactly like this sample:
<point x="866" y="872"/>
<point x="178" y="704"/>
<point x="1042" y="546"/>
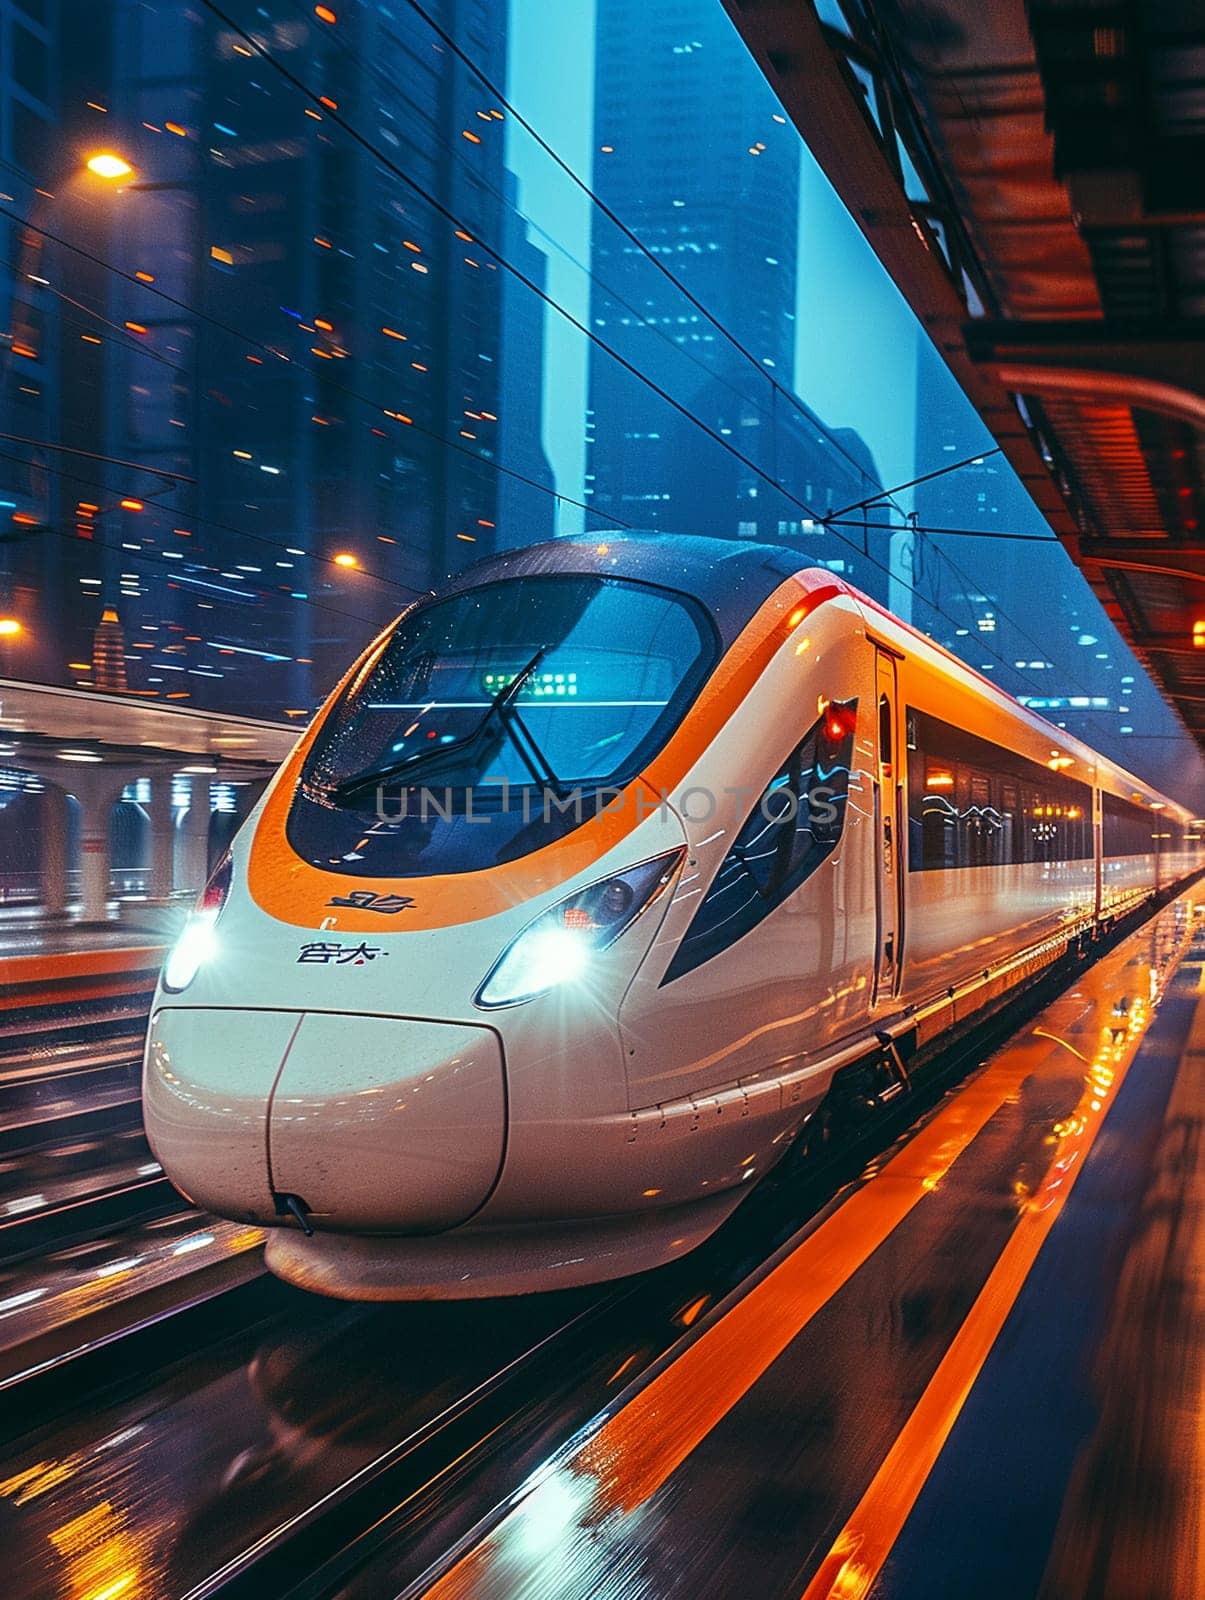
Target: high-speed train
<point x="583" y="886"/>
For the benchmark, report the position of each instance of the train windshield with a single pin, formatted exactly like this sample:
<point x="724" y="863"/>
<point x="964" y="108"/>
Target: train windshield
<point x="564" y="683"/>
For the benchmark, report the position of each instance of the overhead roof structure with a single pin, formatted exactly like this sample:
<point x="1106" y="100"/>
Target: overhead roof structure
<point x="40" y="719"/>
<point x="1033" y="177"/>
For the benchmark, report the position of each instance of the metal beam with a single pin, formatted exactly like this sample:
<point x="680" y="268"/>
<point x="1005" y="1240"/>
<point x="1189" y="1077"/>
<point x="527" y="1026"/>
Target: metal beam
<point x="1171" y="644"/>
<point x="1141" y="555"/>
<point x="1155" y="366"/>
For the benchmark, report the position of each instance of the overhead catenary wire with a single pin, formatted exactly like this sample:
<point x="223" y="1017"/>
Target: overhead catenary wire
<point x="168" y="565"/>
<point x="778" y="390"/>
<point x="376" y="406"/>
<point x="480" y="456"/>
<point x="471" y="454"/>
<point x="265" y="53"/>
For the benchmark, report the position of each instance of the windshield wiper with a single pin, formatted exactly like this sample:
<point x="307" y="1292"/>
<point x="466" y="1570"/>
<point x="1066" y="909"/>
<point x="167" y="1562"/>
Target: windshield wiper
<point x="394" y="769"/>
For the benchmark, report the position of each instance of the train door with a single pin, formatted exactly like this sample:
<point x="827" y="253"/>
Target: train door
<point x="889" y="833"/>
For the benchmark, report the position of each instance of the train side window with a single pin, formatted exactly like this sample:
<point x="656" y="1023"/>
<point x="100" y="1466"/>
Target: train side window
<point x="973" y="803"/>
<point x="794" y="826"/>
<point x="1008" y="822"/>
<point x="982" y="823"/>
<point x="1127" y="828"/>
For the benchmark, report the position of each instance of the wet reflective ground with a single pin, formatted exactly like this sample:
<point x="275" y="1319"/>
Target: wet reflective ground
<point x="155" y="1493"/>
<point x="981" y="1375"/>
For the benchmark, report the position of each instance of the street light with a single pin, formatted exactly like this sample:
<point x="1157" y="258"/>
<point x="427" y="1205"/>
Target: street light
<point x="107" y="165"/>
<point x="10" y="628"/>
<point x="346" y="559"/>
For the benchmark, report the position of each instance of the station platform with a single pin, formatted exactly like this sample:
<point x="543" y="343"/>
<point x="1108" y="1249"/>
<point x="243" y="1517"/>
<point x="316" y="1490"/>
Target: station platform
<point x="28" y="931"/>
<point x="979" y="1373"/>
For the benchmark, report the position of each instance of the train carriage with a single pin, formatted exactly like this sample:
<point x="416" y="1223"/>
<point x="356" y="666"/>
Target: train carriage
<point x="595" y="869"/>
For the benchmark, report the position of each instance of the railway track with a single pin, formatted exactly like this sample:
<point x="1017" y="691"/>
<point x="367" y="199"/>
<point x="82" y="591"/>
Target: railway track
<point x="74" y="1161"/>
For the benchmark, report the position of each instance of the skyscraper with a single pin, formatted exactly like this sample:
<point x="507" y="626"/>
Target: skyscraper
<point x="695" y="157"/>
<point x="692" y="173"/>
<point x="281" y="342"/>
<point x="526" y="505"/>
<point x="349" y="411"/>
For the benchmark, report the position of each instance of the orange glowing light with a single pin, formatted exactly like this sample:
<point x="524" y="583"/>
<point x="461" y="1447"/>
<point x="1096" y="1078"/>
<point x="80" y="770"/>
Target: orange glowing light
<point x="136" y="327"/>
<point x="346" y="559"/>
<point x="1198" y="635"/>
<point x="325" y="14"/>
<point x="131" y="505"/>
<point x="107" y="165"/>
<point x="10" y="628"/>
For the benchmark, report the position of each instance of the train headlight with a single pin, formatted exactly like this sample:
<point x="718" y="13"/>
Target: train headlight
<point x="198" y="938"/>
<point x="557" y="946"/>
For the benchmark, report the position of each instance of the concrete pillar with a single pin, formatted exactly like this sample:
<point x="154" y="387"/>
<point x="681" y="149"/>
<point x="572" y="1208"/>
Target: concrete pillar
<point x="247" y="797"/>
<point x="194" y="841"/>
<point x="54" y="850"/>
<point x="96" y="793"/>
<point x="163" y="837"/>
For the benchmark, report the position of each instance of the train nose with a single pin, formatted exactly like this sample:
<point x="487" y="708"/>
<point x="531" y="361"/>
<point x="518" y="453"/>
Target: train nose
<point x="377" y="1124"/>
<point x="383" y="1123"/>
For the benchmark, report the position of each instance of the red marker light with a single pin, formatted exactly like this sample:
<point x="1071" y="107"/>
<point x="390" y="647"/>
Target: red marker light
<point x="213" y="896"/>
<point x="840" y="721"/>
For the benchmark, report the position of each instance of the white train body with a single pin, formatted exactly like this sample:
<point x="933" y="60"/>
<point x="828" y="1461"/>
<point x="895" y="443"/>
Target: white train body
<point x="365" y="1033"/>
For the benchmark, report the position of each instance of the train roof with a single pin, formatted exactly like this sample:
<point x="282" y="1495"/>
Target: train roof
<point x="730" y="578"/>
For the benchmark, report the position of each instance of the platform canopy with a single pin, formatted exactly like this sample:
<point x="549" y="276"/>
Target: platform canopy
<point x="1057" y="255"/>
